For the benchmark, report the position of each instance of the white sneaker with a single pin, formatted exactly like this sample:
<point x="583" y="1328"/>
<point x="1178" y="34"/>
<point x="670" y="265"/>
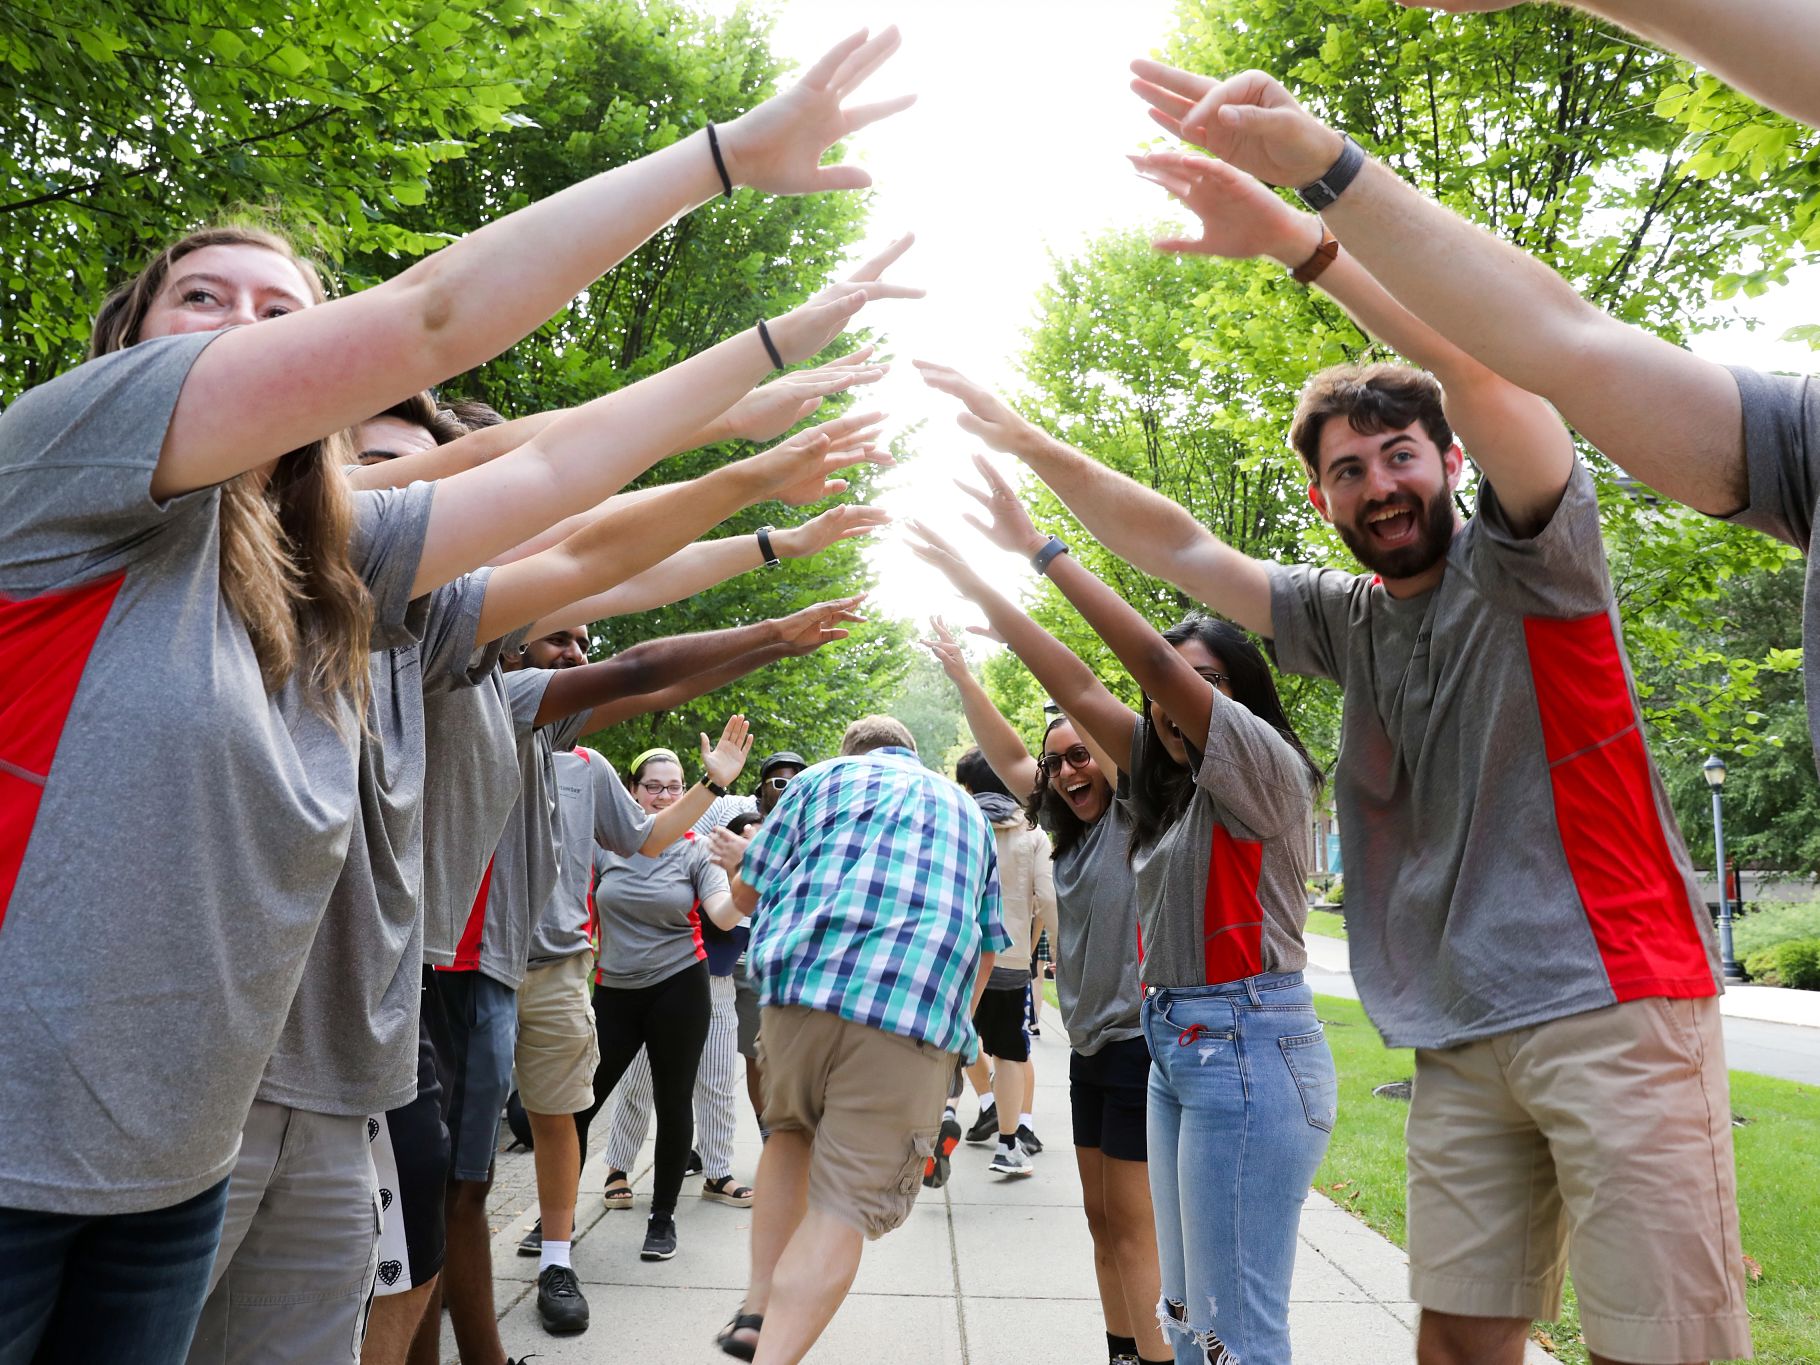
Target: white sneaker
<point x="1010" y="1161"/>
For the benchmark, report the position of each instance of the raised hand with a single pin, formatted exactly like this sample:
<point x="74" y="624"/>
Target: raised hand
<point x="947" y="651"/>
<point x="800" y="469"/>
<point x="870" y="271"/>
<point x="988" y="416"/>
<point x="723" y="762"/>
<point x="932" y="549"/>
<point x="809" y="327"/>
<point x="778" y="146"/>
<point x="1010" y="527"/>
<point x="772" y="409"/>
<point x="805" y="631"/>
<point x="1248" y="119"/>
<point x="845" y="522"/>
<point x="1240" y="217"/>
<point x="727" y="849"/>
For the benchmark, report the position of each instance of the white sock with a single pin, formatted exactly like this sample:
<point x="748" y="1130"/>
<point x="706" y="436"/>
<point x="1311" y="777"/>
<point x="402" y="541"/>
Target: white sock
<point x="987" y="1105"/>
<point x="947" y="1113"/>
<point x="1023" y="1120"/>
<point x="554" y="1253"/>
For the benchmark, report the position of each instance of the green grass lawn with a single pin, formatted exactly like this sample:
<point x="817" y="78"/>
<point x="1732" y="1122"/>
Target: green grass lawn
<point x="1778" y="1154"/>
<point x="1327" y="922"/>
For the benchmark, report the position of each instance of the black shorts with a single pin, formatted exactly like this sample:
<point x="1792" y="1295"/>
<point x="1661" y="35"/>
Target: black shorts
<point x="1000" y="1022"/>
<point x="1109" y="1095"/>
<point x="411" y="1158"/>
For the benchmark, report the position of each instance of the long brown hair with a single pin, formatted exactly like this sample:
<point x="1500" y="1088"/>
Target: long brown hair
<point x="285" y="567"/>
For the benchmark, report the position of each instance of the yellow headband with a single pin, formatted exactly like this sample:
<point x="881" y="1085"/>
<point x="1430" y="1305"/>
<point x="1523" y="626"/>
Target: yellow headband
<point x="650" y="754"/>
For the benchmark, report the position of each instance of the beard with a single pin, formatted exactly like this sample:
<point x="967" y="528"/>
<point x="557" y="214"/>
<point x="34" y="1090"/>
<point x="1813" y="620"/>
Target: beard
<point x="1433" y="534"/>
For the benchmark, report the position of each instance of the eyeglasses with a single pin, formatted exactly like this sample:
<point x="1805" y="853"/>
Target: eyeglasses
<point x="1075" y="756"/>
<point x="661" y="788"/>
<point x="1217" y="679"/>
<point x="777" y="784"/>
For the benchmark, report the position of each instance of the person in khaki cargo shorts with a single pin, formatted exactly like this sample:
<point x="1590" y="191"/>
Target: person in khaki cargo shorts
<point x="873" y="887"/>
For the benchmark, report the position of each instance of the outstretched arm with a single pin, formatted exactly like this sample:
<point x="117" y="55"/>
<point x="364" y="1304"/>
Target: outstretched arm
<point x="1185" y="696"/>
<point x="1138" y="524"/>
<point x="1670" y="418"/>
<point x="592" y="451"/>
<point x="1001" y="745"/>
<point x="698" y="567"/>
<point x="766" y="412"/>
<point x="801" y="633"/>
<point x="1769" y="49"/>
<point x="1515" y="436"/>
<point x="629" y="539"/>
<point x="320" y="370"/>
<point x="1068" y="680"/>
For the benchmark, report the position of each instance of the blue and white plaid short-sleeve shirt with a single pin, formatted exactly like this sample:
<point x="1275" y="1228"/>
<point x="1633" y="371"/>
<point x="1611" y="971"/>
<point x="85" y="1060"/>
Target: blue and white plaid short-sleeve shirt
<point x="878" y="891"/>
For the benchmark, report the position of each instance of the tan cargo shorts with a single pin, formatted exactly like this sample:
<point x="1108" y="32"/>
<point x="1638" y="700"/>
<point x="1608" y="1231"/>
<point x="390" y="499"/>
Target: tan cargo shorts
<point x="558" y="1047"/>
<point x="871" y="1102"/>
<point x="1601" y="1142"/>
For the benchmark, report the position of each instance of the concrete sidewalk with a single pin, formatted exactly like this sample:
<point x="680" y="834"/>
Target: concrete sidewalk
<point x="985" y="1271"/>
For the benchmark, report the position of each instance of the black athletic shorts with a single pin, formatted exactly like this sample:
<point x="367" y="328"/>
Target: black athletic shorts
<point x="1000" y="1021"/>
<point x="411" y="1157"/>
<point x="1109" y="1095"/>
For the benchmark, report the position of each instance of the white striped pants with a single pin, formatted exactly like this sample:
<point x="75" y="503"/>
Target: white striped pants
<point x="715" y="1081"/>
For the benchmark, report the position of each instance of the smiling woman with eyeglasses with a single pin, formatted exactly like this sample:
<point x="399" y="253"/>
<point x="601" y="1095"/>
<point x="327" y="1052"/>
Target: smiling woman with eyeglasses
<point x="651" y="988"/>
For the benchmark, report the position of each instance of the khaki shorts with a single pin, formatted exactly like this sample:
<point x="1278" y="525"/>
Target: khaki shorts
<point x="558" y="1047"/>
<point x="870" y="1100"/>
<point x="1600" y="1142"/>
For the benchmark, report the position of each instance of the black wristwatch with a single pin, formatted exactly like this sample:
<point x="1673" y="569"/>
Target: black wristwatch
<point x="764" y="547"/>
<point x="713" y="786"/>
<point x="1339" y="175"/>
<point x="1041" y="559"/>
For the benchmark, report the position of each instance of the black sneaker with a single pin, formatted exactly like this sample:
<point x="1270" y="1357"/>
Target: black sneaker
<point x="694" y="1167"/>
<point x="660" y="1238"/>
<point x="559" y="1301"/>
<point x="1028" y="1140"/>
<point x="985" y="1127"/>
<point x="531" y="1244"/>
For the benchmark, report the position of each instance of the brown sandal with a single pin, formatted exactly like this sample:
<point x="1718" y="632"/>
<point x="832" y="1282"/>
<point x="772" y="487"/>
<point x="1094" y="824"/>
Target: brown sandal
<point x="727" y="1191"/>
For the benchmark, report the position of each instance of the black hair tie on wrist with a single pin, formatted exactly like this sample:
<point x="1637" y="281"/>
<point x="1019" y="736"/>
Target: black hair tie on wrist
<point x="764" y="335"/>
<point x="720" y="163"/>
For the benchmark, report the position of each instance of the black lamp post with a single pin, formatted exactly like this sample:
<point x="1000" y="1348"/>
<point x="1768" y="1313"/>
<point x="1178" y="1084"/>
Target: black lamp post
<point x="1714" y="771"/>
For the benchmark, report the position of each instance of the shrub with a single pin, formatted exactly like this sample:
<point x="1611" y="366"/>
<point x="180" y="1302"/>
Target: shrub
<point x="1336" y="892"/>
<point x="1761" y="966"/>
<point x="1774" y="924"/>
<point x="1798" y="964"/>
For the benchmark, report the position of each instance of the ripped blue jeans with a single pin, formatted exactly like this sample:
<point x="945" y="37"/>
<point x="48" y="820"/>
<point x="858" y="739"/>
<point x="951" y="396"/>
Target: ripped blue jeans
<point x="1242" y="1100"/>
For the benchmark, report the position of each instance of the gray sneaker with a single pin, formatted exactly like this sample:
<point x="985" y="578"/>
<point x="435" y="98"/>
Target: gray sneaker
<point x="1011" y="1161"/>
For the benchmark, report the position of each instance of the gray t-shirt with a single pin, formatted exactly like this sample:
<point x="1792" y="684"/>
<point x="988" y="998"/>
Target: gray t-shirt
<point x="522" y="873"/>
<point x="470" y="785"/>
<point x="1782" y="459"/>
<point x="592" y="805"/>
<point x="350" y="1045"/>
<point x="1511" y="856"/>
<point x="649" y="911"/>
<point x="1096" y="936"/>
<point x="1221" y="893"/>
<point x="131" y="1042"/>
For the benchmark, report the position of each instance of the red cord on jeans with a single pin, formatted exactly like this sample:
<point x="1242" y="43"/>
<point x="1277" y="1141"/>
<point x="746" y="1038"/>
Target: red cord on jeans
<point x="1191" y="1034"/>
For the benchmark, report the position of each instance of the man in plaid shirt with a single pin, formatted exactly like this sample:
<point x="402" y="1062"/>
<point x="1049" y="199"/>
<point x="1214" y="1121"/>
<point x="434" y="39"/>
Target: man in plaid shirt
<point x="874" y="890"/>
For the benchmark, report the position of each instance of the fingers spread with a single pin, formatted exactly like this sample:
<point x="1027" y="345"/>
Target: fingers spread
<point x="1171" y="78"/>
<point x="1166" y="100"/>
<point x="864" y="60"/>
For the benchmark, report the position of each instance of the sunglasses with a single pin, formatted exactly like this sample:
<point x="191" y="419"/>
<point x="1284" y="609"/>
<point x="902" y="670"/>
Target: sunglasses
<point x="1075" y="756"/>
<point x="777" y="784"/>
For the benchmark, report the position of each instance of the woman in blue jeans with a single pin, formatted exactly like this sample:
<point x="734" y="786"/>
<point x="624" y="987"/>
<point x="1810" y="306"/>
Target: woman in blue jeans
<point x="1242" y="1085"/>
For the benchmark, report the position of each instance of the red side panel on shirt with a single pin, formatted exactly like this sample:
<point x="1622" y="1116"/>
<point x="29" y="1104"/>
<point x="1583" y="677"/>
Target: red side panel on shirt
<point x="701" y="949"/>
<point x="1232" y="920"/>
<point x="467" y="952"/>
<point x="1617" y="851"/>
<point x="45" y="643"/>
